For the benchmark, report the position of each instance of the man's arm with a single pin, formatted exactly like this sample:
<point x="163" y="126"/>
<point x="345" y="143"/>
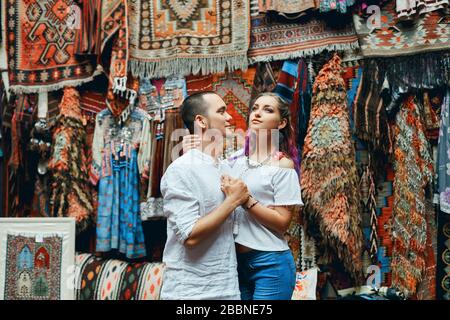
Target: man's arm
<point x="211" y="222"/>
<point x="182" y="207"/>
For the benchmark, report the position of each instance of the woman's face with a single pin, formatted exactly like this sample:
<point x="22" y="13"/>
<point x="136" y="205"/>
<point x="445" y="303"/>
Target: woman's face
<point x="264" y="114"/>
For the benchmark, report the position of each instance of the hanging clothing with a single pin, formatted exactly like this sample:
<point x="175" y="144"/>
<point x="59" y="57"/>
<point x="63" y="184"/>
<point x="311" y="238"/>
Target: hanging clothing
<point x="444" y="155"/>
<point x="121" y="157"/>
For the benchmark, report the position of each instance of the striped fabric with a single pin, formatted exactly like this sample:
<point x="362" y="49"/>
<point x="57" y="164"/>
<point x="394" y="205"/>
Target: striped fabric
<point x="111" y="279"/>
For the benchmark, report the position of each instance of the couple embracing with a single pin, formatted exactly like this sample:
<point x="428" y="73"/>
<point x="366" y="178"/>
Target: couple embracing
<point x="227" y="218"/>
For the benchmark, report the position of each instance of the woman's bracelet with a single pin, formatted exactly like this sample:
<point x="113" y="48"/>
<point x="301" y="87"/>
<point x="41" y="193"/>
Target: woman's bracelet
<point x="253" y="204"/>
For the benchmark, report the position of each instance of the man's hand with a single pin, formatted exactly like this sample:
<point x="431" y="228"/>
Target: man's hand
<point x="234" y="189"/>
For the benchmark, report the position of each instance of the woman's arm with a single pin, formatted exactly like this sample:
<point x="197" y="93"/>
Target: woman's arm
<point x="274" y="218"/>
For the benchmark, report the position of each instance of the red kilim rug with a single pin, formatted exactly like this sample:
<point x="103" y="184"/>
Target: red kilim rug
<point x="41" y="36"/>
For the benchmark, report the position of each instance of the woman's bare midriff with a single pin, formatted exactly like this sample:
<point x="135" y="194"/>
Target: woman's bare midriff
<point x="242" y="249"/>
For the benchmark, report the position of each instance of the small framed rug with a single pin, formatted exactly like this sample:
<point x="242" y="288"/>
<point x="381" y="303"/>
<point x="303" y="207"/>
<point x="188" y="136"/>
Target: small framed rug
<point x="37" y="258"/>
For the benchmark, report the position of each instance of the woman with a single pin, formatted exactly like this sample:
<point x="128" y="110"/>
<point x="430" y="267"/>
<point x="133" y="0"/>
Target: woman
<point x="270" y="169"/>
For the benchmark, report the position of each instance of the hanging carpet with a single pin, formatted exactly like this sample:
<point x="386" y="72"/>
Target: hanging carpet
<point x="180" y="38"/>
<point x="41" y="46"/>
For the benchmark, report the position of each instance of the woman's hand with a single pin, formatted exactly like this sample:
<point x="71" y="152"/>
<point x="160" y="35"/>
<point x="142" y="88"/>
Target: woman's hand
<point x="191" y="141"/>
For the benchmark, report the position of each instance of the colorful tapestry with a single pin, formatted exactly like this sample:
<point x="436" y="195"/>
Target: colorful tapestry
<point x="340" y="6"/>
<point x="426" y="289"/>
<point x="87" y="36"/>
<point x="329" y="174"/>
<point x="273" y="40"/>
<point x="413" y="173"/>
<point x="41" y="46"/>
<point x="385" y="204"/>
<point x="114" y="27"/>
<point x="371" y="122"/>
<point x="443" y="263"/>
<point x="444" y="155"/>
<point x="291" y="9"/>
<point x="70" y="192"/>
<point x="99" y="279"/>
<point x="287" y="80"/>
<point x="181" y="38"/>
<point x="430" y="33"/>
<point x="33" y="267"/>
<point x="234" y="88"/>
<point x="409" y="9"/>
<point x="266" y="76"/>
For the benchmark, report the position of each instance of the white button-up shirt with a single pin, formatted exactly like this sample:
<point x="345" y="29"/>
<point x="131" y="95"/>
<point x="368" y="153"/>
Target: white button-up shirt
<point x="191" y="190"/>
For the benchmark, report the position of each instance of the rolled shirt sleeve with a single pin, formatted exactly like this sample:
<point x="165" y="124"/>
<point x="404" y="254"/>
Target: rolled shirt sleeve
<point x="181" y="206"/>
<point x="286" y="186"/>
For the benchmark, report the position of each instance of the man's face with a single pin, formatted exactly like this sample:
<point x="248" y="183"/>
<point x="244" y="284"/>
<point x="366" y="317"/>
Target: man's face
<point x="218" y="117"/>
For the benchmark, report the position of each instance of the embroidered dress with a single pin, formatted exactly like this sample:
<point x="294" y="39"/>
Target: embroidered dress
<point x="121" y="155"/>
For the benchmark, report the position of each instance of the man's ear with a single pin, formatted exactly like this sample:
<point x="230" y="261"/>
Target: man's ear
<point x="201" y="121"/>
<point x="282" y="124"/>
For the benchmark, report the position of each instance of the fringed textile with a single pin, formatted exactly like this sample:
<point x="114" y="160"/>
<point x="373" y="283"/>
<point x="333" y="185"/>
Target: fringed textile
<point x="329" y="174"/>
<point x="70" y="196"/>
<point x="413" y="173"/>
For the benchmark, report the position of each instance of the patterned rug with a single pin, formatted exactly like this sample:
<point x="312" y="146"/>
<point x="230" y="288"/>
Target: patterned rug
<point x="41" y="46"/>
<point x="188" y="37"/>
<point x="33" y="270"/>
<point x="234" y="88"/>
<point x="429" y="33"/>
<point x="385" y="203"/>
<point x="273" y="40"/>
<point x="110" y="279"/>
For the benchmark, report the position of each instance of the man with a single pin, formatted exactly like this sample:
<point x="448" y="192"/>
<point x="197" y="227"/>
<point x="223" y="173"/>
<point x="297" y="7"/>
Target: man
<point x="199" y="254"/>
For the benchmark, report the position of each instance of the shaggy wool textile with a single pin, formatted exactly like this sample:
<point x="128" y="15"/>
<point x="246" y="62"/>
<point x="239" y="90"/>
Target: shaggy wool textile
<point x="329" y="174"/>
<point x="41" y="46"/>
<point x="413" y="173"/>
<point x="429" y="33"/>
<point x="188" y="37"/>
<point x="70" y="187"/>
